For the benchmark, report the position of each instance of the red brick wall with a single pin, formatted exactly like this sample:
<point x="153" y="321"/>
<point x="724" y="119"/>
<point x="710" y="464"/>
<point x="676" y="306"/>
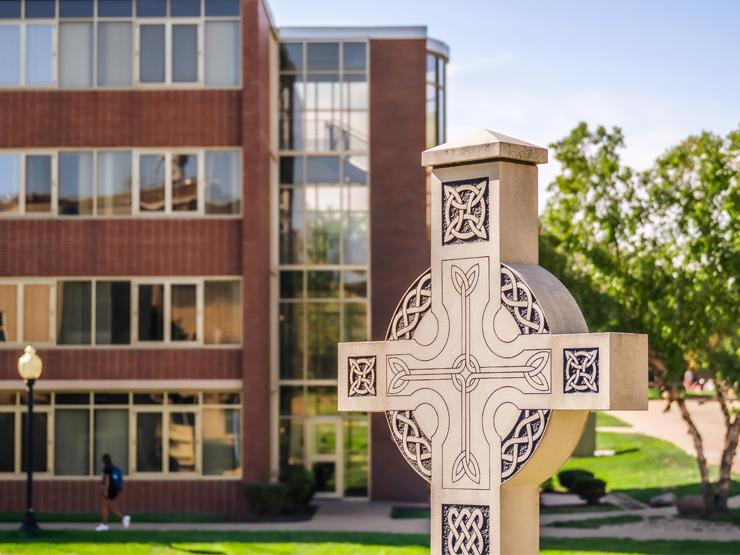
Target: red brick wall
<point x="120" y="247"/>
<point x="256" y="240"/>
<point x="222" y="497"/>
<point x="130" y="364"/>
<point x="120" y="118"/>
<point x="400" y="249"/>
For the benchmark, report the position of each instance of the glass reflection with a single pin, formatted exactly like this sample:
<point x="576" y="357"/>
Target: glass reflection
<point x="223" y="182"/>
<point x="151" y="182"/>
<point x="184" y="182"/>
<point x="75" y="183"/>
<point x="10" y="183"/>
<point x="114" y="183"/>
<point x="38" y="183"/>
<point x="183" y="313"/>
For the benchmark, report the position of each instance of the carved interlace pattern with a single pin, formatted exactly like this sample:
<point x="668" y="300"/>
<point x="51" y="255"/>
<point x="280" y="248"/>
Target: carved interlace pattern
<point x="521" y="303"/>
<point x="465" y="530"/>
<point x="415" y="303"/>
<point x="581" y="374"/>
<point x="411" y="441"/>
<point x="519" y="446"/>
<point x="465" y="211"/>
<point x="415" y="446"/>
<point x="361" y="376"/>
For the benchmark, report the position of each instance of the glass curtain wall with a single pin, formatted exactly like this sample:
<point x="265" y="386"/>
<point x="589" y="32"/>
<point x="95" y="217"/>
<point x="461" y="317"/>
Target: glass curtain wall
<point x="323" y="253"/>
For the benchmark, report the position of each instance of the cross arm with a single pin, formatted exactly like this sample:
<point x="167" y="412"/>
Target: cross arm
<point x="362" y="373"/>
<point x="600" y="371"/>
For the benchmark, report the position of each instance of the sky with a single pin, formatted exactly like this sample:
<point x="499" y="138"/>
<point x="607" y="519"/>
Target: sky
<point x="659" y="69"/>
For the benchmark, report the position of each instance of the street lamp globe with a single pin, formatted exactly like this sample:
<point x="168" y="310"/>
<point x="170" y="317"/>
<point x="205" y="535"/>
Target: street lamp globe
<point x="29" y="364"/>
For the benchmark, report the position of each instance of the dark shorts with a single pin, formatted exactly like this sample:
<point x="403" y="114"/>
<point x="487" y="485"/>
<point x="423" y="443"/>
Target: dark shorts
<point x="112" y="494"/>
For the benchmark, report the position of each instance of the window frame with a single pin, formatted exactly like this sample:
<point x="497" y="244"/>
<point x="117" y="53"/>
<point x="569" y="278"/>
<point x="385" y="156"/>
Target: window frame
<point x="165" y="409"/>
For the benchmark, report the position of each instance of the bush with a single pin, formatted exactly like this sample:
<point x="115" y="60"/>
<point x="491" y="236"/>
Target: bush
<point x="265" y="499"/>
<point x="301" y="486"/>
<point x="589" y="489"/>
<point x="547" y="485"/>
<point x="568" y="477"/>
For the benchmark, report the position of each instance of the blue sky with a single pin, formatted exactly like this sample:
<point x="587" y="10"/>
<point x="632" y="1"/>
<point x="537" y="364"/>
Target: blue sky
<point x="660" y="69"/>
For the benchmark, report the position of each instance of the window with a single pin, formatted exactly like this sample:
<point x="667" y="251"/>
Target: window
<point x="72" y="431"/>
<point x="75" y="183"/>
<point x="7" y="442"/>
<point x="151" y="312"/>
<point x="223" y="53"/>
<point x="39" y="55"/>
<point x="436" y="119"/>
<point x="38" y="183"/>
<point x="76" y="55"/>
<point x="10" y="183"/>
<point x="8" y="313"/>
<point x="100" y="312"/>
<point x="121" y="183"/>
<point x="40" y="442"/>
<point x="111" y="435"/>
<point x="115" y="60"/>
<point x="149" y="446"/>
<point x="221" y="442"/>
<point x="114" y="183"/>
<point x="108" y="43"/>
<point x="74" y="312"/>
<point x="323" y="230"/>
<point x="112" y="312"/>
<point x="10" y="50"/>
<point x="223" y="182"/>
<point x="222" y="320"/>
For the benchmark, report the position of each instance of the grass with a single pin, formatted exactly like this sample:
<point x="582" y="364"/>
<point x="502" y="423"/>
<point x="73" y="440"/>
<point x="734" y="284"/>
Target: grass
<point x="596" y="522"/>
<point x="95" y="517"/>
<point x="406" y="513"/>
<point x="564" y="509"/>
<point x="644" y="466"/>
<point x="606" y="419"/>
<point x="309" y="543"/>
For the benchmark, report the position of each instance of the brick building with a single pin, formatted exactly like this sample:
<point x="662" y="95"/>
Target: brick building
<point x="195" y="206"/>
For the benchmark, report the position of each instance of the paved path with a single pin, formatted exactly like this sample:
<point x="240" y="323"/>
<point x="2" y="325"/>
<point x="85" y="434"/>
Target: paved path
<point x="347" y="516"/>
<point x="671" y="427"/>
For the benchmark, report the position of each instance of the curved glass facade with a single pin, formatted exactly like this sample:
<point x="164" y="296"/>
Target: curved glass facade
<point x="436" y="99"/>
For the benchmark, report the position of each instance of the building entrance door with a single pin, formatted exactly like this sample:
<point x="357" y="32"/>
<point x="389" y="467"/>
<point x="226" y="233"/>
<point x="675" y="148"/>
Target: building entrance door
<point x="323" y="454"/>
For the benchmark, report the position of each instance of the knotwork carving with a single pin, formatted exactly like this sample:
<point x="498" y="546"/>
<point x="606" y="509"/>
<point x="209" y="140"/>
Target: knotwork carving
<point x="465" y="211"/>
<point x="411" y="441"/>
<point x="361" y="376"/>
<point x="519" y="446"/>
<point x="465" y="529"/>
<point x="519" y="300"/>
<point x="413" y="306"/>
<point x="581" y="370"/>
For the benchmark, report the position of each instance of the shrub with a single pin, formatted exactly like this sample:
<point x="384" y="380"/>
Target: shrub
<point x="547" y="485"/>
<point x="589" y="489"/>
<point x="568" y="477"/>
<point x="265" y="499"/>
<point x="301" y="486"/>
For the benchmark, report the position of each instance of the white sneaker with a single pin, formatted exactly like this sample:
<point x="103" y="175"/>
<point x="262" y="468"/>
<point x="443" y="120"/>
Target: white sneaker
<point x="126" y="521"/>
<point x="102" y="528"/>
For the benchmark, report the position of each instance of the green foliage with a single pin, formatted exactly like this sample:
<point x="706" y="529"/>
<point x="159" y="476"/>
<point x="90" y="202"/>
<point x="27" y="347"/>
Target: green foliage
<point x="606" y="419"/>
<point x="265" y="500"/>
<point x="589" y="489"/>
<point x="655" y="252"/>
<point x="568" y="477"/>
<point x="301" y="485"/>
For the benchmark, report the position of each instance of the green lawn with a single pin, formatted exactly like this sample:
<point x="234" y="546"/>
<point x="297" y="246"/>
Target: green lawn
<point x="95" y="517"/>
<point x="606" y="419"/>
<point x="308" y="543"/>
<point x="644" y="466"/>
<point x="596" y="522"/>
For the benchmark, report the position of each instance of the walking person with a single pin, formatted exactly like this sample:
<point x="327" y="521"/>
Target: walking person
<point x="110" y="487"/>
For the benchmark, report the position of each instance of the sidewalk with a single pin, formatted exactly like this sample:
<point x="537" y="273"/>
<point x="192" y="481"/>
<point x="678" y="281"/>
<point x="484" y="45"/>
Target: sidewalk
<point x="348" y="516"/>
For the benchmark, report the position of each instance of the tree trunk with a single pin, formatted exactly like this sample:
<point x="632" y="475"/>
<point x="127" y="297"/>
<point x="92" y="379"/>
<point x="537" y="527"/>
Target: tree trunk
<point x="707" y="492"/>
<point x="732" y="433"/>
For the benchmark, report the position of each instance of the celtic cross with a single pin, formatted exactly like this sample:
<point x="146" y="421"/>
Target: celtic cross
<point x="488" y="371"/>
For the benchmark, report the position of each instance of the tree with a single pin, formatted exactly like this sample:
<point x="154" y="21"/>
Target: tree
<point x="657" y="252"/>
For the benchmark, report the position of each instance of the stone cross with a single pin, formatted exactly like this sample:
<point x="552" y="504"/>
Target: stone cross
<point x="488" y="371"/>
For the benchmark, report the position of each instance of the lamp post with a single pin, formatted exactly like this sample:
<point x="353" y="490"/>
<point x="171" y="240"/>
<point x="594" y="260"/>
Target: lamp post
<point x="29" y="367"/>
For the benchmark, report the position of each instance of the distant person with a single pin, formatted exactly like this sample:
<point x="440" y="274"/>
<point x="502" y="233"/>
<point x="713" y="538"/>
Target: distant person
<point x="110" y="487"/>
